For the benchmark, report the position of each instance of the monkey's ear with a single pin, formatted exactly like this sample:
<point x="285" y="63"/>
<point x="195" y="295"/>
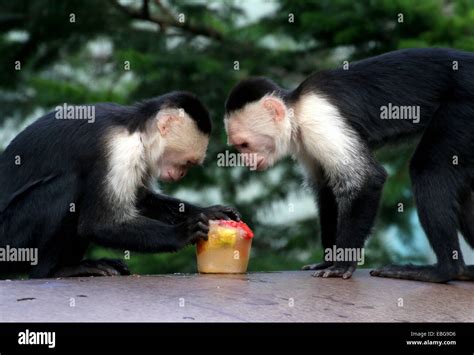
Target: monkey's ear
<point x="164" y="123"/>
<point x="276" y="107"/>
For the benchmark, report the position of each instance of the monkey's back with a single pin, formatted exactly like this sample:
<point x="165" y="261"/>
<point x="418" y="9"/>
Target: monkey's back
<point x="409" y="78"/>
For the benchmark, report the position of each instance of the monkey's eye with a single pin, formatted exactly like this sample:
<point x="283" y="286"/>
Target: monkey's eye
<point x="243" y="145"/>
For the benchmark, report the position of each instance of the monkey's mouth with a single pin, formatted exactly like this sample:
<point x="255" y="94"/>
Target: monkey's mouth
<point x="171" y="177"/>
<point x="261" y="164"/>
<point x="168" y="177"/>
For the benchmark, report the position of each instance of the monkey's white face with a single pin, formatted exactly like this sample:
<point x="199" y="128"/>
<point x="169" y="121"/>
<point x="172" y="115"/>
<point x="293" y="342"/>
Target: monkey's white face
<point x="177" y="146"/>
<point x="174" y="164"/>
<point x="260" y="128"/>
<point x="248" y="140"/>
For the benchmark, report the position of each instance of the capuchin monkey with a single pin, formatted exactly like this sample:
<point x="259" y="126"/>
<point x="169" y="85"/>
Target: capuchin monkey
<point x="334" y="120"/>
<point x="68" y="182"/>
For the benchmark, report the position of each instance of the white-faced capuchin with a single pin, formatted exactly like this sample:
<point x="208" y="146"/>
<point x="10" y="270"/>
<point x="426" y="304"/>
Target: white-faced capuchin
<point x="67" y="182"/>
<point x="334" y="120"/>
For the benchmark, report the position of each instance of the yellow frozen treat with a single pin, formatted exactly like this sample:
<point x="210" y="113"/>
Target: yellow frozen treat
<point x="227" y="249"/>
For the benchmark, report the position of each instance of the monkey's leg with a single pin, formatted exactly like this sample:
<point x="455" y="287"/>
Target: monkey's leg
<point x="436" y="185"/>
<point x="436" y="211"/>
<point x="327" y="207"/>
<point x="101" y="267"/>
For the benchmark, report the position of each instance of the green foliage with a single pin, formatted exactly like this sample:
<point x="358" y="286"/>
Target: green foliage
<point x="59" y="64"/>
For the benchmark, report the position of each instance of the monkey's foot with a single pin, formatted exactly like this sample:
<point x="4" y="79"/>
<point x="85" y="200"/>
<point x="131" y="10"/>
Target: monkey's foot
<point x="342" y="269"/>
<point x="467" y="274"/>
<point x="318" y="266"/>
<point x="101" y="267"/>
<point x="427" y="273"/>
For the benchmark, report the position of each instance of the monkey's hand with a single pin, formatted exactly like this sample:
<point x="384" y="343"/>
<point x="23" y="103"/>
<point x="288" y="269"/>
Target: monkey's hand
<point x="342" y="269"/>
<point x="221" y="212"/>
<point x="193" y="229"/>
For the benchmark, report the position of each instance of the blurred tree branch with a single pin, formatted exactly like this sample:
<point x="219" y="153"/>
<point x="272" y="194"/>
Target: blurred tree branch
<point x="167" y="19"/>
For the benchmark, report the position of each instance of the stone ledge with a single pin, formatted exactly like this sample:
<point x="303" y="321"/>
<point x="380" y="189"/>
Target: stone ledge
<point x="288" y="296"/>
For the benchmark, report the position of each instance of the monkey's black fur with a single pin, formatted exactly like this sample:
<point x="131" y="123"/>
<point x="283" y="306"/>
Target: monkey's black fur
<point x="441" y="83"/>
<point x="185" y="100"/>
<point x="250" y="90"/>
<point x="64" y="162"/>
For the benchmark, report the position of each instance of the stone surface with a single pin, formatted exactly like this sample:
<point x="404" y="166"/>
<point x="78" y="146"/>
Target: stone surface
<point x="259" y="297"/>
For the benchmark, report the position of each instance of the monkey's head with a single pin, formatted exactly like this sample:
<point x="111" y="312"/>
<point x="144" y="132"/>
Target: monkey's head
<point x="257" y="120"/>
<point x="181" y="131"/>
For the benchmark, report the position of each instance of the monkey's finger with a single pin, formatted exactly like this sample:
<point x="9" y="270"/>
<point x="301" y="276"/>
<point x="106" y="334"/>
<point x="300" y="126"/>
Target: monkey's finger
<point x="118" y="265"/>
<point x="96" y="268"/>
<point x="198" y="235"/>
<point x="330" y="272"/>
<point x="327" y="273"/>
<point x="107" y="268"/>
<point x="226" y="214"/>
<point x="94" y="271"/>
<point x="201" y="227"/>
<point x="349" y="272"/>
<point x="234" y="216"/>
<point x="229" y="212"/>
<point x="203" y="218"/>
<point x="232" y="213"/>
<point x="344" y="272"/>
<point x="218" y="215"/>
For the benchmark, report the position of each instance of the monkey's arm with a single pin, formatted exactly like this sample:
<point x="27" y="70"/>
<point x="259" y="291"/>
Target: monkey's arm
<point x="327" y="208"/>
<point x="357" y="204"/>
<point x="166" y="208"/>
<point x="172" y="210"/>
<point x="357" y="209"/>
<point x="144" y="234"/>
<point x="120" y="225"/>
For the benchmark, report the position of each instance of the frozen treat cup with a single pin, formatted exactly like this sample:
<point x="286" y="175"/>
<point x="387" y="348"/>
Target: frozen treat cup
<point x="227" y="249"/>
